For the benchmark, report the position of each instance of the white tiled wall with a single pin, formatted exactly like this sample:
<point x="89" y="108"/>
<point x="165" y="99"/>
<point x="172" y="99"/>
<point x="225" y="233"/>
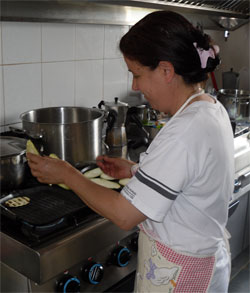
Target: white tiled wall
<point x="56" y="64"/>
<point x="1" y="85"/>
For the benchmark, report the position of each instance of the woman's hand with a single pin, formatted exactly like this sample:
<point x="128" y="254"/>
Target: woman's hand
<point x="115" y="167"/>
<point x="48" y="170"/>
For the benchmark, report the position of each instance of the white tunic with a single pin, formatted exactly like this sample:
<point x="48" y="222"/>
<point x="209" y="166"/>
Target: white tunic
<point x="185" y="180"/>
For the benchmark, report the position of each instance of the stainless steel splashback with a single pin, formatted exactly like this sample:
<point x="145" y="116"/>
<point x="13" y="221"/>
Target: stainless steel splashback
<point x="209" y="14"/>
<point x="235" y="7"/>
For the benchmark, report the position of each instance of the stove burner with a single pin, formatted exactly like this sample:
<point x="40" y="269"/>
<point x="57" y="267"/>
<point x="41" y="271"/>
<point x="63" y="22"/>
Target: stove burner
<point x="52" y="211"/>
<point x="33" y="230"/>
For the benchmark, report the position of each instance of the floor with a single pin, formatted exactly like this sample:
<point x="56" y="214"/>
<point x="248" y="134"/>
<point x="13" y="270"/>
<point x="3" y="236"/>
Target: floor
<point x="240" y="273"/>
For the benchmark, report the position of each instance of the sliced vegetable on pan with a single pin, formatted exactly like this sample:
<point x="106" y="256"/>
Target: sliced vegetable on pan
<point x="106" y="183"/>
<point x="106" y="177"/>
<point x="54" y="156"/>
<point x="96" y="172"/>
<point x="17" y="201"/>
<point x="124" y="181"/>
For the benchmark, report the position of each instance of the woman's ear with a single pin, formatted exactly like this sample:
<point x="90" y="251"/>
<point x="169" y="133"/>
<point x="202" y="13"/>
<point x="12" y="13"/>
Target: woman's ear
<point x="167" y="69"/>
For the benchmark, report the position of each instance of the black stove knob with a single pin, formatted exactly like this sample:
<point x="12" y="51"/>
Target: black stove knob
<point x="68" y="283"/>
<point x="92" y="272"/>
<point x="120" y="256"/>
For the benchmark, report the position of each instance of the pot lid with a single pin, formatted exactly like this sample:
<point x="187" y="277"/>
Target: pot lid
<point x="10" y="146"/>
<point x="116" y="104"/>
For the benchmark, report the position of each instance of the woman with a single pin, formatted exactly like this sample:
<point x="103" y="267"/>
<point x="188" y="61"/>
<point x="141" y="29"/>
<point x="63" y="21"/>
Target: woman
<point x="179" y="192"/>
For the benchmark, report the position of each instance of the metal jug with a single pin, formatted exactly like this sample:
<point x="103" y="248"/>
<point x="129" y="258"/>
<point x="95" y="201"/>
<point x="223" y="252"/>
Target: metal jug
<point x="115" y="117"/>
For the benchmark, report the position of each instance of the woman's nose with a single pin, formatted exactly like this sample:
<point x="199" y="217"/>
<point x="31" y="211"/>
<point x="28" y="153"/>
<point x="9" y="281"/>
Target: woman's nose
<point x="134" y="85"/>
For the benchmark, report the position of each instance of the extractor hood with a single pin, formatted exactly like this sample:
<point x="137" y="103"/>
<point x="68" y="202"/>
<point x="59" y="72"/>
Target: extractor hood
<point x="209" y="14"/>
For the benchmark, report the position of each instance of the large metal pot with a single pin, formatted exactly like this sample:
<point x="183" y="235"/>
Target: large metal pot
<point x="13" y="162"/>
<point x="237" y="103"/>
<point x="74" y="134"/>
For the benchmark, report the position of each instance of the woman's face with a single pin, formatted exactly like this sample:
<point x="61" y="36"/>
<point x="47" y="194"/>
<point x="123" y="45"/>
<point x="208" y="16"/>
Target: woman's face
<point x="151" y="83"/>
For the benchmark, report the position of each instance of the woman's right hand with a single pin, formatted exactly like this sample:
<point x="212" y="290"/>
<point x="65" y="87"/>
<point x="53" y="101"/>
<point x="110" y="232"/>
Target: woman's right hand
<point x="115" y="167"/>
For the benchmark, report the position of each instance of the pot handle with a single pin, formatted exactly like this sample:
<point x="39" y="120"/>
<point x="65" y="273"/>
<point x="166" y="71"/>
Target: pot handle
<point x="139" y="124"/>
<point x="36" y="139"/>
<point x="112" y="115"/>
<point x="18" y="130"/>
<point x="102" y="103"/>
<point x="106" y="147"/>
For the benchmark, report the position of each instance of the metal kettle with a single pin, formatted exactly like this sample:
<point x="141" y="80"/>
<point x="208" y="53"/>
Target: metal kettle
<point x="115" y="117"/>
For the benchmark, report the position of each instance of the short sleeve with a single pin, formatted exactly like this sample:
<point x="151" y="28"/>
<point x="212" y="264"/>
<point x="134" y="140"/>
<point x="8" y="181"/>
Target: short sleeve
<point x="163" y="173"/>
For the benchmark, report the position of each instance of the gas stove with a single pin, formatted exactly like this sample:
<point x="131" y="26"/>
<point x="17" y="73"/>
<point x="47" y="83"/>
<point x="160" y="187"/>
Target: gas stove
<point x="61" y="245"/>
<point x="58" y="244"/>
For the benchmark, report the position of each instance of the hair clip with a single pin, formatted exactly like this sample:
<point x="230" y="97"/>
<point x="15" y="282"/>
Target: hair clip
<point x="205" y="54"/>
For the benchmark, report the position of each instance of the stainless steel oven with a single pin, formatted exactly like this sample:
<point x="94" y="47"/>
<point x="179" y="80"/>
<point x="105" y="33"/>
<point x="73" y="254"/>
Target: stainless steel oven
<point x="58" y="244"/>
<point x="238" y="222"/>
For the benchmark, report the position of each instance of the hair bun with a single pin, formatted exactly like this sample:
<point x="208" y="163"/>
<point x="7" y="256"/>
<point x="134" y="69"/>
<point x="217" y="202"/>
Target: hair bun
<point x="212" y="63"/>
<point x="203" y="40"/>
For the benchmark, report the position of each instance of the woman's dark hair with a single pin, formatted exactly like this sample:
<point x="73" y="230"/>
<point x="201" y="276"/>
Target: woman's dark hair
<point x="168" y="36"/>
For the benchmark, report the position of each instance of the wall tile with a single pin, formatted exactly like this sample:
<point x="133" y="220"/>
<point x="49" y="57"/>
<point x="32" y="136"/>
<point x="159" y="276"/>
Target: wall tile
<point x="89" y="83"/>
<point x="58" y="42"/>
<point x="130" y="81"/>
<point x="1" y="97"/>
<point x="58" y="84"/>
<point x="1" y="84"/>
<point x="113" y="35"/>
<point x="89" y="41"/>
<point x="115" y="79"/>
<point x="21" y="42"/>
<point x="1" y="57"/>
<point x="22" y="89"/>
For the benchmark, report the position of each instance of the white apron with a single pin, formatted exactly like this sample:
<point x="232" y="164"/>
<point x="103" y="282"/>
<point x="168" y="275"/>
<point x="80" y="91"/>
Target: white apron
<point x="163" y="269"/>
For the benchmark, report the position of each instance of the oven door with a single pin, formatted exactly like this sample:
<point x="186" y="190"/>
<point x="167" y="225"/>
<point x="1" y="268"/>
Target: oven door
<point x="124" y="285"/>
<point x="238" y="225"/>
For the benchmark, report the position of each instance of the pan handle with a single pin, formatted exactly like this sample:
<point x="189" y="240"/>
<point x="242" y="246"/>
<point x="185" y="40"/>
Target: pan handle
<point x="9" y="213"/>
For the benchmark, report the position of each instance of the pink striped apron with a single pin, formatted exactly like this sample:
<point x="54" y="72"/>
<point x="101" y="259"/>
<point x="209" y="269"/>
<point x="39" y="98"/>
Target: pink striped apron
<point x="162" y="269"/>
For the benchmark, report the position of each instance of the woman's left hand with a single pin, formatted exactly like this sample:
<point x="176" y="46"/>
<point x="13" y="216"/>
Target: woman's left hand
<point x="48" y="170"/>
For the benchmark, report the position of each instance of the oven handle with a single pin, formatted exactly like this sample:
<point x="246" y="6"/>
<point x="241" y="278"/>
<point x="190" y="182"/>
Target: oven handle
<point x="232" y="207"/>
<point x="247" y="174"/>
<point x="245" y="179"/>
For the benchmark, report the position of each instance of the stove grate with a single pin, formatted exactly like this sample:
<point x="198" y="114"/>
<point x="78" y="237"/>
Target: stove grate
<point x="47" y="205"/>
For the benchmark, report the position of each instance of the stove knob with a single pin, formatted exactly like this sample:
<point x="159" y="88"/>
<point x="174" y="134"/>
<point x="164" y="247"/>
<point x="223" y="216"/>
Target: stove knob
<point x="68" y="283"/>
<point x="92" y="272"/>
<point x="120" y="256"/>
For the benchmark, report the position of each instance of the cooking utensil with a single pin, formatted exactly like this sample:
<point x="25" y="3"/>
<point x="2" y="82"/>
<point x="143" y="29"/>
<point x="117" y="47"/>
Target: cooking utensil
<point x="237" y="104"/>
<point x="74" y="134"/>
<point x="116" y="116"/>
<point x="13" y="162"/>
